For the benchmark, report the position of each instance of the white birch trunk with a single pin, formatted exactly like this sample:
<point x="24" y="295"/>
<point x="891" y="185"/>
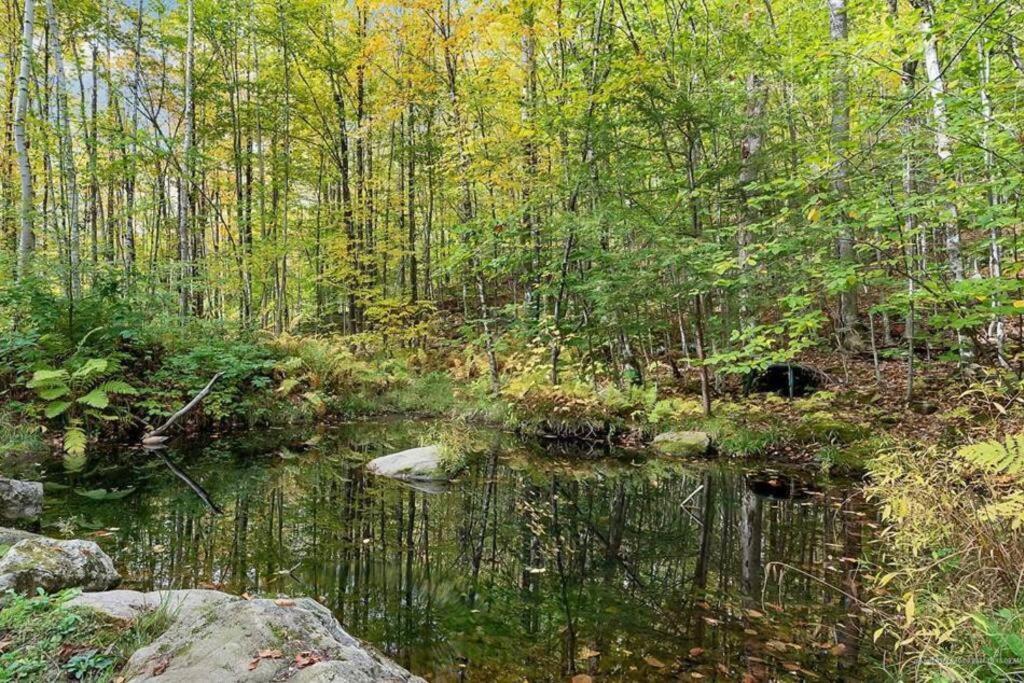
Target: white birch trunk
<point x="25" y="237"/>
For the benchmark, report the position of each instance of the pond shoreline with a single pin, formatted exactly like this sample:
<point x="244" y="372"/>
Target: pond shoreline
<point x="643" y="519"/>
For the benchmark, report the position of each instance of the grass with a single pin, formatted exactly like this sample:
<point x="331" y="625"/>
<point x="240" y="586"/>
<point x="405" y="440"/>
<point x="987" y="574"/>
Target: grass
<point x="44" y="639"/>
<point x="18" y="437"/>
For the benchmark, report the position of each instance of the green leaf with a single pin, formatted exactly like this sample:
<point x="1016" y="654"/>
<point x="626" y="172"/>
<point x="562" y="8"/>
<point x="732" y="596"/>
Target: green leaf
<point x="97" y="398"/>
<point x="53" y="392"/>
<point x="46" y="378"/>
<point x="117" y="386"/>
<point x="104" y="494"/>
<point x="287" y="384"/>
<point x="74" y="441"/>
<point x="93" y="366"/>
<point x="56" y="408"/>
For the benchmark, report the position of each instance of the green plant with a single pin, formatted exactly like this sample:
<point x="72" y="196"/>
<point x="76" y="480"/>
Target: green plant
<point x="76" y="392"/>
<point x="996" y="457"/>
<point x="46" y="639"/>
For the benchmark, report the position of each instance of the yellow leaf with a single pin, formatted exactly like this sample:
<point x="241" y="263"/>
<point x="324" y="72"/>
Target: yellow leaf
<point x="813" y="214"/>
<point x="909" y="609"/>
<point x="1018" y="303"/>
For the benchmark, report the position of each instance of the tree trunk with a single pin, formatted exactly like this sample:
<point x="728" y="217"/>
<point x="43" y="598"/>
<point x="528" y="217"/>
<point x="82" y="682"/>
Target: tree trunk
<point x="185" y="178"/>
<point x="26" y="240"/>
<point x="849" y="322"/>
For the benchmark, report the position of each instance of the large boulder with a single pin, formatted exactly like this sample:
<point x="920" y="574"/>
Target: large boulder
<point x="418" y="464"/>
<point x="54" y="565"/>
<point x="9" y="537"/>
<point x="682" y="444"/>
<point x="20" y="499"/>
<point x="127" y="605"/>
<point x="227" y="639"/>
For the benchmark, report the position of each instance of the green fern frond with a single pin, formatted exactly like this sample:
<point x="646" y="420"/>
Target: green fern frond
<point x="996" y="457"/>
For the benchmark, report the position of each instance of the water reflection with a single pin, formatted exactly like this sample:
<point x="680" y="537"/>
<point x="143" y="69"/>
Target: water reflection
<point x="522" y="568"/>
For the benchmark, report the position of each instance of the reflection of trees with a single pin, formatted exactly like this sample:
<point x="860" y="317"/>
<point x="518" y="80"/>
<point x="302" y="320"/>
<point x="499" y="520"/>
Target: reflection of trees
<point x="513" y="569"/>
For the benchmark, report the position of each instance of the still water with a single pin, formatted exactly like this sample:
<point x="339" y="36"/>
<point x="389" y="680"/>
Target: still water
<point x="532" y="565"/>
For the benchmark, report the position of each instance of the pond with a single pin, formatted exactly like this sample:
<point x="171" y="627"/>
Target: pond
<point x="532" y="565"/>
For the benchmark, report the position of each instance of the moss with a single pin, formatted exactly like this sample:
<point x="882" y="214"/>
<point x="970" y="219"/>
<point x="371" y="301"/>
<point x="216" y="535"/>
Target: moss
<point x="682" y="444"/>
<point x="825" y="428"/>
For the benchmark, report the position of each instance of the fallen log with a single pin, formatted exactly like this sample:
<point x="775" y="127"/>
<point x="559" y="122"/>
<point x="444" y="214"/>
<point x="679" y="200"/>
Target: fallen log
<point x="153" y="438"/>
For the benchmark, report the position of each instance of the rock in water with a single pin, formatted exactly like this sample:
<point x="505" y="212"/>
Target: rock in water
<point x="423" y="464"/>
<point x="785" y="379"/>
<point x="54" y="565"/>
<point x="682" y="444"/>
<point x="20" y="499"/>
<point x="230" y="640"/>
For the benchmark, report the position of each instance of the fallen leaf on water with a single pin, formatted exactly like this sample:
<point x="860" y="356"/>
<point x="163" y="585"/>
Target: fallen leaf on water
<point x="655" y="662"/>
<point x="587" y="653"/>
<point x="696" y="651"/>
<point x="582" y="678"/>
<point x="284" y="602"/>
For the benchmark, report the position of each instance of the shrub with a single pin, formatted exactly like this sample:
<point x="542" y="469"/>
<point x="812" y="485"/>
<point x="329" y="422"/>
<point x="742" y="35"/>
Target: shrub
<point x="953" y="552"/>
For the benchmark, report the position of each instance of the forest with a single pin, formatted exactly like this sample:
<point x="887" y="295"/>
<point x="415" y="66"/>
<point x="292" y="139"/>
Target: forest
<point x="709" y="311"/>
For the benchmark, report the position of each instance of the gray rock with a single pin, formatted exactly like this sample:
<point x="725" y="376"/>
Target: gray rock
<point x="20" y="499"/>
<point x="221" y="642"/>
<point x="682" y="444"/>
<point x="423" y="464"/>
<point x="129" y="605"/>
<point x="9" y="537"/>
<point x="54" y="565"/>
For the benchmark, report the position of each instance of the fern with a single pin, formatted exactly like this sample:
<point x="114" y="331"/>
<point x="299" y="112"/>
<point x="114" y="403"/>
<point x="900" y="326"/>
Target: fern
<point x="1009" y="508"/>
<point x="996" y="457"/>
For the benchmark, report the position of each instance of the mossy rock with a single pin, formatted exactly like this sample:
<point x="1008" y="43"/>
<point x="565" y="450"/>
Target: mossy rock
<point x="682" y="444"/>
<point x="54" y="565"/>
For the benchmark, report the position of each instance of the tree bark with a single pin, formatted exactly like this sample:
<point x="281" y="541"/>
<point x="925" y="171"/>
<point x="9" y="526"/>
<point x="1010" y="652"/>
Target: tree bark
<point x="26" y="240"/>
<point x="849" y="321"/>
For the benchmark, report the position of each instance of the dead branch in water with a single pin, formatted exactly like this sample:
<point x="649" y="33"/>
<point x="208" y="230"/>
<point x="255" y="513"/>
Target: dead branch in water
<point x="149" y="438"/>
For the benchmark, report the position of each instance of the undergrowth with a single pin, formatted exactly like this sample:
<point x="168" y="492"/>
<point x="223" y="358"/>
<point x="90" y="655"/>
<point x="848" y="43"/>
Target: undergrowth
<point x="952" y="559"/>
<point x="47" y="640"/>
